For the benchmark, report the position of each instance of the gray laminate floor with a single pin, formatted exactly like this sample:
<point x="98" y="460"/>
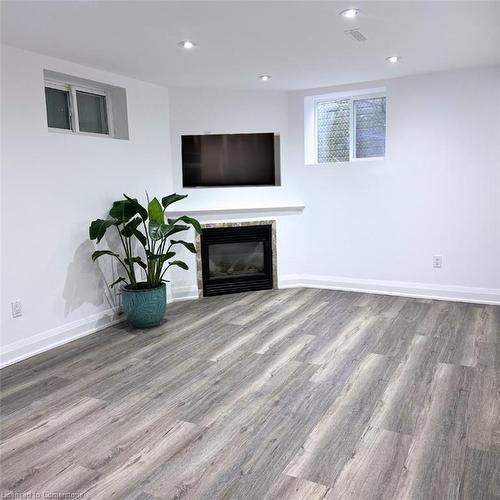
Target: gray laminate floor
<point x="287" y="394"/>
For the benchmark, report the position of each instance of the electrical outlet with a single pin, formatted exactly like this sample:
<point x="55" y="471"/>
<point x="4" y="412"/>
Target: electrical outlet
<point x="437" y="261"/>
<point x="17" y="309"/>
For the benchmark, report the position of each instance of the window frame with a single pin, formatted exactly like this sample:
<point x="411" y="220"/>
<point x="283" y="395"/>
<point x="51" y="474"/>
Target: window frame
<point x="72" y="89"/>
<point x="311" y="130"/>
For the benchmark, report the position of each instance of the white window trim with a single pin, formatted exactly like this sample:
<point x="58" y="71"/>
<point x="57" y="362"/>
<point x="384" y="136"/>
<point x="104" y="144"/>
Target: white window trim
<point x="310" y="124"/>
<point x="73" y="107"/>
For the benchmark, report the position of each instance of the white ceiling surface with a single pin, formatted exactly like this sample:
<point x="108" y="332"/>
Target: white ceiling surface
<point x="302" y="44"/>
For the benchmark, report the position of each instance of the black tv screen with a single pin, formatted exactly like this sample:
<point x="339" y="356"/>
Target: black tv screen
<point x="228" y="160"/>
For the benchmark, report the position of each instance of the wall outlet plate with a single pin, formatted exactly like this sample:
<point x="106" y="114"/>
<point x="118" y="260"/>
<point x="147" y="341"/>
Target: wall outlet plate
<point x="17" y="309"/>
<point x="437" y="261"/>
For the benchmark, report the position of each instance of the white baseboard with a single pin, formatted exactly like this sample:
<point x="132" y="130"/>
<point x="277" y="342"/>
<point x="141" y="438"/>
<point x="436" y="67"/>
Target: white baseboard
<point x="400" y="288"/>
<point x="25" y="348"/>
<point x="188" y="292"/>
<point x="55" y="337"/>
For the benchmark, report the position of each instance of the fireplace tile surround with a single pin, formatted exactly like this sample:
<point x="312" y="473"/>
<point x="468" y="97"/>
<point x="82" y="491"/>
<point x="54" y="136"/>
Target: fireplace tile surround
<point x="228" y="224"/>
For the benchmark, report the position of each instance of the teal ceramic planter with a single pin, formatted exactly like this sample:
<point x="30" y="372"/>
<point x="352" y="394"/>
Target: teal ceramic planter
<point x="144" y="307"/>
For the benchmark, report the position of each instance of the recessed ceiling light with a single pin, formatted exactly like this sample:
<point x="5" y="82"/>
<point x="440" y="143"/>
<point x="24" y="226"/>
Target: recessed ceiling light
<point x="265" y="78"/>
<point x="187" y="44"/>
<point x="350" y="13"/>
<point x="393" y="59"/>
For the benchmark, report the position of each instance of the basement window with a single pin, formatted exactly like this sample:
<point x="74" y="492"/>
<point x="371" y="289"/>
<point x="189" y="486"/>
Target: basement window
<point x="85" y="107"/>
<point x="345" y="127"/>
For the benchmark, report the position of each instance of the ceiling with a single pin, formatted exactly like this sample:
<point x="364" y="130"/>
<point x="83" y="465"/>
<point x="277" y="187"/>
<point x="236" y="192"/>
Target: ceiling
<point x="301" y="44"/>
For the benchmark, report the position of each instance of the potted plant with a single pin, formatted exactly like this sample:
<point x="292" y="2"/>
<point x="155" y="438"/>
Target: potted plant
<point x="148" y="247"/>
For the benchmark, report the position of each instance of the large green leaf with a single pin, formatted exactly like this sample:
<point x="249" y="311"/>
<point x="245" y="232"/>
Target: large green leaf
<point x="189" y="246"/>
<point x="119" y="280"/>
<point x="98" y="227"/>
<point x="130" y="227"/>
<point x="140" y="209"/>
<point x="166" y="256"/>
<point x="176" y="229"/>
<point x="154" y="230"/>
<point x="172" y="198"/>
<point x="130" y="230"/>
<point x="187" y="220"/>
<point x="155" y="211"/>
<point x="100" y="253"/>
<point x="162" y="257"/>
<point x="158" y="231"/>
<point x="124" y="210"/>
<point x="180" y="264"/>
<point x="141" y="237"/>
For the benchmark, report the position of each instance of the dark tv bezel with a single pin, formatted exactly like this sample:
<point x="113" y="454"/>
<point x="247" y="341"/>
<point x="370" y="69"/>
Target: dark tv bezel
<point x="277" y="163"/>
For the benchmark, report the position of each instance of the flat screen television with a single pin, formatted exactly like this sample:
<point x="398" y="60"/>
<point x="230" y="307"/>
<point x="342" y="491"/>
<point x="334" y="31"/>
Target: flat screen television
<point x="228" y="160"/>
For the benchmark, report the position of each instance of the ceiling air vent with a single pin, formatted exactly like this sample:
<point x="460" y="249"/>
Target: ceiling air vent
<point x="356" y="35"/>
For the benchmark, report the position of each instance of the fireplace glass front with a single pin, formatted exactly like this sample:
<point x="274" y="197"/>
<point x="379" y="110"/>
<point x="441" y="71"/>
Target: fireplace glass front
<point x="236" y="259"/>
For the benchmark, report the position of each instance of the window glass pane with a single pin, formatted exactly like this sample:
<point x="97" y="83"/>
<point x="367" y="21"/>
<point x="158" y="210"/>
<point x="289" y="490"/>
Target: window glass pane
<point x="56" y="102"/>
<point x="333" y="119"/>
<point x="370" y="127"/>
<point x="92" y="113"/>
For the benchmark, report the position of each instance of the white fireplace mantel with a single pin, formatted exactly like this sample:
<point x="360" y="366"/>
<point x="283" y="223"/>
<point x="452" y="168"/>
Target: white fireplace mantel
<point x="281" y="209"/>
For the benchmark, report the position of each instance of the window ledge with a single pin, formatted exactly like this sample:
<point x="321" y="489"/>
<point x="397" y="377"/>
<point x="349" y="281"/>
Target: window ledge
<point x="71" y="132"/>
<point x="343" y="163"/>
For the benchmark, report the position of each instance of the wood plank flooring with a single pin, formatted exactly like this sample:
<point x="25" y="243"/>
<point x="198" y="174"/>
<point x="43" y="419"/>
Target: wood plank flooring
<point x="284" y="394"/>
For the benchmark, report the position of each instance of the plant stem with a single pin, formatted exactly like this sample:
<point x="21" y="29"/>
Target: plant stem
<point x="128" y="253"/>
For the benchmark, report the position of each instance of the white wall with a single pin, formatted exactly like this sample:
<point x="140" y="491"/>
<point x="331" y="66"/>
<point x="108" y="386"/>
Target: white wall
<point x="377" y="224"/>
<point x="198" y="111"/>
<point x="53" y="185"/>
<point x="372" y="225"/>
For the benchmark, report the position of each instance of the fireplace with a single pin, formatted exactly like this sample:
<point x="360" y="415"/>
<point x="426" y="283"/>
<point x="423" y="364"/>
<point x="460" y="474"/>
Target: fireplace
<point x="236" y="258"/>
